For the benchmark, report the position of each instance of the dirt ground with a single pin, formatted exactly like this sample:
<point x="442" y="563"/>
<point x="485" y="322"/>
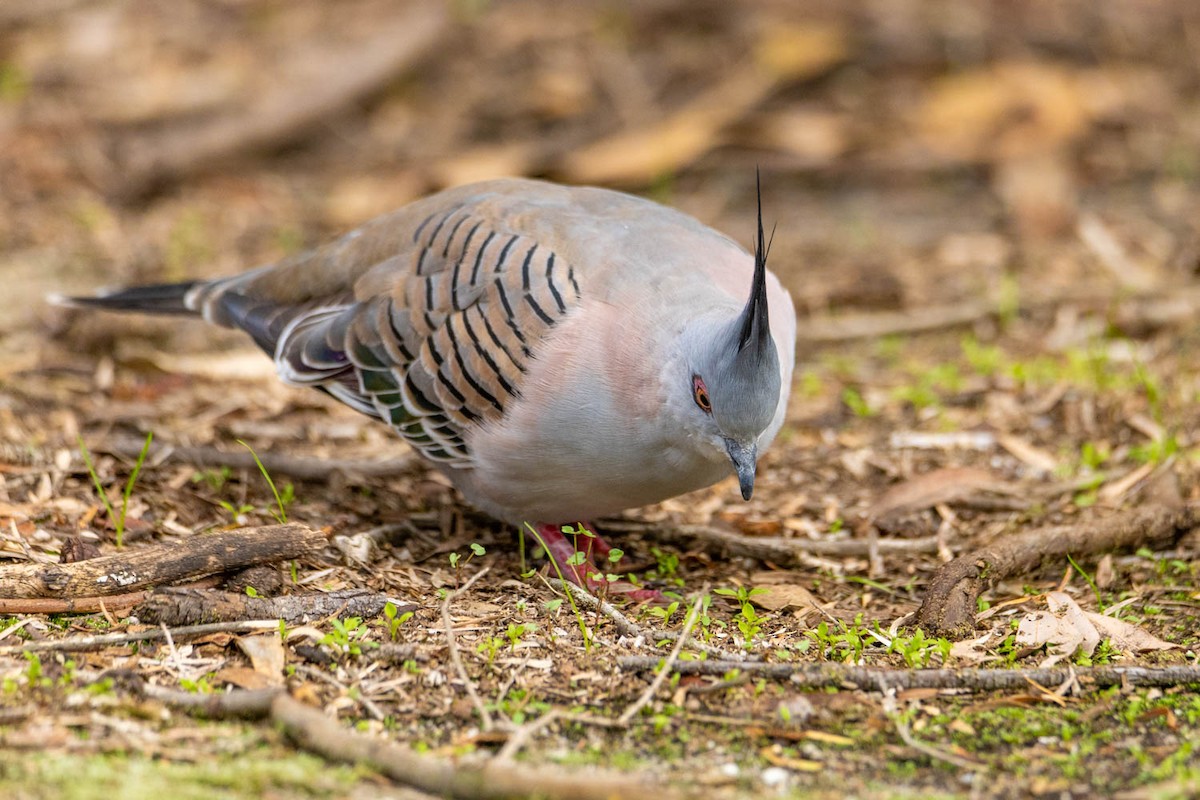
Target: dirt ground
<point x="987" y="216"/>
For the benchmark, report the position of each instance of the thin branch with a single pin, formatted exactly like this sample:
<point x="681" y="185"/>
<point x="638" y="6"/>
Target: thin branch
<point x="654" y="686"/>
<point x="457" y="778"/>
<point x="79" y="644"/>
<point x="974" y="680"/>
<point x="518" y="738"/>
<point x="299" y="467"/>
<point x="73" y="605"/>
<point x="781" y="551"/>
<point x="485" y="718"/>
<point x="892" y="711"/>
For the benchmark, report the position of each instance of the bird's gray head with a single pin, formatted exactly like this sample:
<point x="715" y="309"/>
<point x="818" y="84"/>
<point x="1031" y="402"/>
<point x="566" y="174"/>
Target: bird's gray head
<point x="735" y="378"/>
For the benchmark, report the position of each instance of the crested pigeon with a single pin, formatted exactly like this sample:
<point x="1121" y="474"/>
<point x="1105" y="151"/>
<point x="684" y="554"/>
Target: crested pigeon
<point x="560" y="353"/>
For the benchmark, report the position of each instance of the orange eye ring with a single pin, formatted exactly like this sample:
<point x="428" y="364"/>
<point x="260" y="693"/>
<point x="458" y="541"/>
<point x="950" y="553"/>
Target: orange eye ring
<point x="700" y="394"/>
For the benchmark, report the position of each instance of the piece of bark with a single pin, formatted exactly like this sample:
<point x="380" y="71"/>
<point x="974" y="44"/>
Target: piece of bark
<point x="975" y="680"/>
<point x="174" y="607"/>
<point x="159" y="564"/>
<point x="265" y="581"/>
<point x="77" y="549"/>
<point x="949" y="604"/>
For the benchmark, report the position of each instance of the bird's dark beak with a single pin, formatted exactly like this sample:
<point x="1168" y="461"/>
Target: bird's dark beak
<point x="744" y="458"/>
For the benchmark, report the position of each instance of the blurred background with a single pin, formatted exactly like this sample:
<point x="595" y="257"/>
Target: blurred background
<point x="915" y="153"/>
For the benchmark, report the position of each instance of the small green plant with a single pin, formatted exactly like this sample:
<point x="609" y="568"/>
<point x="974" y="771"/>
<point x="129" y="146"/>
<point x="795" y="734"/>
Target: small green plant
<point x="215" y="478"/>
<point x="282" y="499"/>
<point x="237" y="514"/>
<point x="490" y="647"/>
<point x="854" y="401"/>
<point x="516" y="631"/>
<point x="749" y="622"/>
<point x="394" y="619"/>
<point x="198" y="686"/>
<point x="34" y="673"/>
<point x="118" y="522"/>
<point x="457" y="562"/>
<point x="583" y="628"/>
<point x="664" y="614"/>
<point x="347" y="636"/>
<point x="917" y="650"/>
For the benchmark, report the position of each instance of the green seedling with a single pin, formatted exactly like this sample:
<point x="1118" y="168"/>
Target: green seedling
<point x="347" y="636"/>
<point x="118" y="521"/>
<point x="394" y="620"/>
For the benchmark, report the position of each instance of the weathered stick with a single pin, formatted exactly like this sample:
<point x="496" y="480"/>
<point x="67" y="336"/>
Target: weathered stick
<point x="949" y="604"/>
<point x="975" y="680"/>
<point x="73" y="605"/>
<point x="784" y="552"/>
<point x="190" y="607"/>
<point x="493" y="780"/>
<point x="299" y="467"/>
<point x="99" y="641"/>
<point x="154" y="565"/>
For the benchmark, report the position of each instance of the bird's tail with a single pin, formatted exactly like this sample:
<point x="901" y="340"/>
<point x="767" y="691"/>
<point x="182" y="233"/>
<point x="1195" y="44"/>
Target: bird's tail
<point x="159" y="298"/>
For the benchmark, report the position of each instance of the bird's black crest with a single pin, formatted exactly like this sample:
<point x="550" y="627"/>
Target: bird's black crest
<point x="755" y="328"/>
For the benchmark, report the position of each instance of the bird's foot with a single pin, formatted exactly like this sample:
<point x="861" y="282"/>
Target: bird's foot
<point x="575" y="553"/>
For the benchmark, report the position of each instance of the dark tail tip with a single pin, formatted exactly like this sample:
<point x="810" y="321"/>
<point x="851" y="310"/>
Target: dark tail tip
<point x="159" y="298"/>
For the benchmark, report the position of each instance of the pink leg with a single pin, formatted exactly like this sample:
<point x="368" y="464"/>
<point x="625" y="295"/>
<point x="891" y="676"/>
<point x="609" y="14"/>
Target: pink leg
<point x="562" y="549"/>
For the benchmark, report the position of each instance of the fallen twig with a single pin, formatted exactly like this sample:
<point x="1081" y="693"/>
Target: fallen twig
<point x="78" y="644"/>
<point x="276" y="463"/>
<point x="891" y="709"/>
<point x="949" y="605"/>
<point x="485" y="717"/>
<point x="784" y="552"/>
<point x="242" y="703"/>
<point x="159" y="564"/>
<point x="974" y="680"/>
<point x="492" y="780"/>
<point x="648" y="694"/>
<point x="849" y="327"/>
<point x="74" y="605"/>
<point x="191" y="607"/>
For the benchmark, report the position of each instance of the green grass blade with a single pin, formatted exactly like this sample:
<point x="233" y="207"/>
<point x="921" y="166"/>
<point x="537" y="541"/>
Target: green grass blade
<point x="281" y="515"/>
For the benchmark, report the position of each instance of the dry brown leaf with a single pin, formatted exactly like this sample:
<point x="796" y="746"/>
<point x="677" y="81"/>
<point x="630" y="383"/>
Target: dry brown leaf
<point x="794" y="51"/>
<point x="1125" y="637"/>
<point x="244" y="678"/>
<point x="972" y="651"/>
<point x="643" y="154"/>
<point x="266" y="656"/>
<point x="1003" y="111"/>
<point x="784" y="596"/>
<point x="788" y="53"/>
<point x="932" y="488"/>
<point x="1064" y="630"/>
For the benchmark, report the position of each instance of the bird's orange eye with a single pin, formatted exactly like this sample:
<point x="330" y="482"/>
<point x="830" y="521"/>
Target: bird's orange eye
<point x="700" y="394"/>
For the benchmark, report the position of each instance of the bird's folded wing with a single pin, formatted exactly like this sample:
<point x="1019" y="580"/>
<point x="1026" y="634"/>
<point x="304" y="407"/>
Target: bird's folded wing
<point x="427" y="321"/>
